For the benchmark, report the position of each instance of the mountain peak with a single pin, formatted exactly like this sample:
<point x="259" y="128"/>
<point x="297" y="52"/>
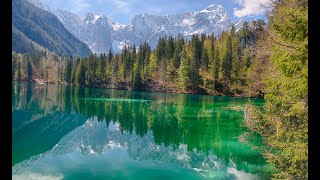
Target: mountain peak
<point x="93" y="17"/>
<point x="101" y="33"/>
<point x="214" y="8"/>
<point x="40" y="4"/>
<point x="142" y="15"/>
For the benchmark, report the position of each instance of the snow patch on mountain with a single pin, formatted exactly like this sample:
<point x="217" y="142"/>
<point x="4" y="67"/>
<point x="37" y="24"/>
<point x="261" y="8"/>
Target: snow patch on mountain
<point x="101" y="33"/>
<point x="117" y="26"/>
<point x="118" y="46"/>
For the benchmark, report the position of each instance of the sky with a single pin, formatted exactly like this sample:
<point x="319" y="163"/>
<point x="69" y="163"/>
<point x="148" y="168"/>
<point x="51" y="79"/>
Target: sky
<point x="122" y="11"/>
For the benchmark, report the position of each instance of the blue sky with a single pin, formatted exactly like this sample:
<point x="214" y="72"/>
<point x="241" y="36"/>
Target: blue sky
<point x="122" y="11"/>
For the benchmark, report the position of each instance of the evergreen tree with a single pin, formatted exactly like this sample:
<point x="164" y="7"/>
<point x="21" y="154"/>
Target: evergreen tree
<point x="68" y="71"/>
<point x="160" y="50"/>
<point x="153" y="66"/>
<point x="245" y="34"/>
<point x="236" y="57"/>
<point x="46" y="75"/>
<point x="184" y="71"/>
<point x="115" y="71"/>
<point x="81" y="74"/>
<point x="169" y="48"/>
<point x="146" y="61"/>
<point x="160" y="53"/>
<point x="19" y="71"/>
<point x="59" y="70"/>
<point x="196" y="49"/>
<point x="216" y="67"/>
<point x="175" y="61"/>
<point x="109" y="65"/>
<point x="138" y="68"/>
<point x="283" y="122"/>
<point x="29" y="71"/>
<point x="14" y="62"/>
<point x="227" y="63"/>
<point x="132" y="64"/>
<point x="134" y="51"/>
<point x="212" y="51"/>
<point x="74" y="71"/>
<point x="101" y="70"/>
<point x="110" y="55"/>
<point x="205" y="59"/>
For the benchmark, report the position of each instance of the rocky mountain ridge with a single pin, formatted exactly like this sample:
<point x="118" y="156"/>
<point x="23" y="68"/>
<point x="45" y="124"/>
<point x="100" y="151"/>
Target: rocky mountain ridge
<point x="100" y="33"/>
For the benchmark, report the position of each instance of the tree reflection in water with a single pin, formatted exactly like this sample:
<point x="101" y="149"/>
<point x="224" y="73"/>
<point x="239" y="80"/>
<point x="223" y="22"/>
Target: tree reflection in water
<point x="46" y="113"/>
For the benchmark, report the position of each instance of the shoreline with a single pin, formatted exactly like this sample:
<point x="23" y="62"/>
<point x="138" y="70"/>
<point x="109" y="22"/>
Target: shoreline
<point x="157" y="89"/>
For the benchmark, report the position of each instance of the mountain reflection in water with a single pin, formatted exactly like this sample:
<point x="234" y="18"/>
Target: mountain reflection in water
<point x="80" y="133"/>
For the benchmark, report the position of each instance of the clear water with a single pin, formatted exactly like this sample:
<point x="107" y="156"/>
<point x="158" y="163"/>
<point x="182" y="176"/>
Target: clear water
<point x="63" y="132"/>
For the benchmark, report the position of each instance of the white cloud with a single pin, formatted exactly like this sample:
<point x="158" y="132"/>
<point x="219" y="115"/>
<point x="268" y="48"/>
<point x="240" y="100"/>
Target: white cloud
<point x="80" y="5"/>
<point x="122" y="5"/>
<point x="251" y="7"/>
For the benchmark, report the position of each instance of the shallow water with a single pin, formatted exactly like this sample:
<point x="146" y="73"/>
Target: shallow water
<point x="63" y="132"/>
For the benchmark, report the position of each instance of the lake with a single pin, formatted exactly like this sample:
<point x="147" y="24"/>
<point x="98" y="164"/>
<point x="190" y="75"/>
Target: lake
<point x="64" y="132"/>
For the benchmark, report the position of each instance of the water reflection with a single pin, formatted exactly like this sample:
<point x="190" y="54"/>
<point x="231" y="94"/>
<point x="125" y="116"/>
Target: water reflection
<point x="195" y="133"/>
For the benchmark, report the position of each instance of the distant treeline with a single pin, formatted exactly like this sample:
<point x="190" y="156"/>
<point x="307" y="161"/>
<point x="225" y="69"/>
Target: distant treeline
<point x="204" y="64"/>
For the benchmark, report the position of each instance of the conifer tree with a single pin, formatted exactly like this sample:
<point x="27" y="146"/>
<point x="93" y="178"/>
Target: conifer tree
<point x="101" y="70"/>
<point x="137" y="69"/>
<point x="81" y="74"/>
<point x="146" y="61"/>
<point x="283" y="122"/>
<point x="74" y="71"/>
<point x="196" y="49"/>
<point x="14" y="64"/>
<point x="227" y="63"/>
<point x="205" y="59"/>
<point x="184" y="71"/>
<point x="19" y="71"/>
<point x="212" y="51"/>
<point x="68" y="71"/>
<point x="29" y="71"/>
<point x="216" y="67"/>
<point x="169" y="48"/>
<point x="177" y="52"/>
<point x="160" y="50"/>
<point x="236" y="58"/>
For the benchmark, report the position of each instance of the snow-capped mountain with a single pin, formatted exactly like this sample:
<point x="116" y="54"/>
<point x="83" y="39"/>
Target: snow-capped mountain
<point x="101" y="33"/>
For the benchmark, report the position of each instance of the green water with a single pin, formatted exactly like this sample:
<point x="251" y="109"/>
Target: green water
<point x="63" y="132"/>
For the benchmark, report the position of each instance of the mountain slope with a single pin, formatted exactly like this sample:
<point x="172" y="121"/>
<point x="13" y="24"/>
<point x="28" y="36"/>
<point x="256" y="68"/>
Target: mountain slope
<point x="101" y="33"/>
<point x="21" y="43"/>
<point x="34" y="27"/>
<point x="143" y="27"/>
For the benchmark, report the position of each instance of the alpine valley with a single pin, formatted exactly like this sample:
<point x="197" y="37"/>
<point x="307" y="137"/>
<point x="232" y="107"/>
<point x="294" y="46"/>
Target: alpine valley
<point x="100" y="33"/>
<point x="187" y="95"/>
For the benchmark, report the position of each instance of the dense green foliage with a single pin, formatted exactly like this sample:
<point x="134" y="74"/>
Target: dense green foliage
<point x="203" y="64"/>
<point x="34" y="29"/>
<point x="254" y="61"/>
<point x="283" y="122"/>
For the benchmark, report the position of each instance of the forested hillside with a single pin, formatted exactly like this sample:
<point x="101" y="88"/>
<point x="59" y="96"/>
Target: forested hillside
<point x="203" y="65"/>
<point x="34" y="29"/>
